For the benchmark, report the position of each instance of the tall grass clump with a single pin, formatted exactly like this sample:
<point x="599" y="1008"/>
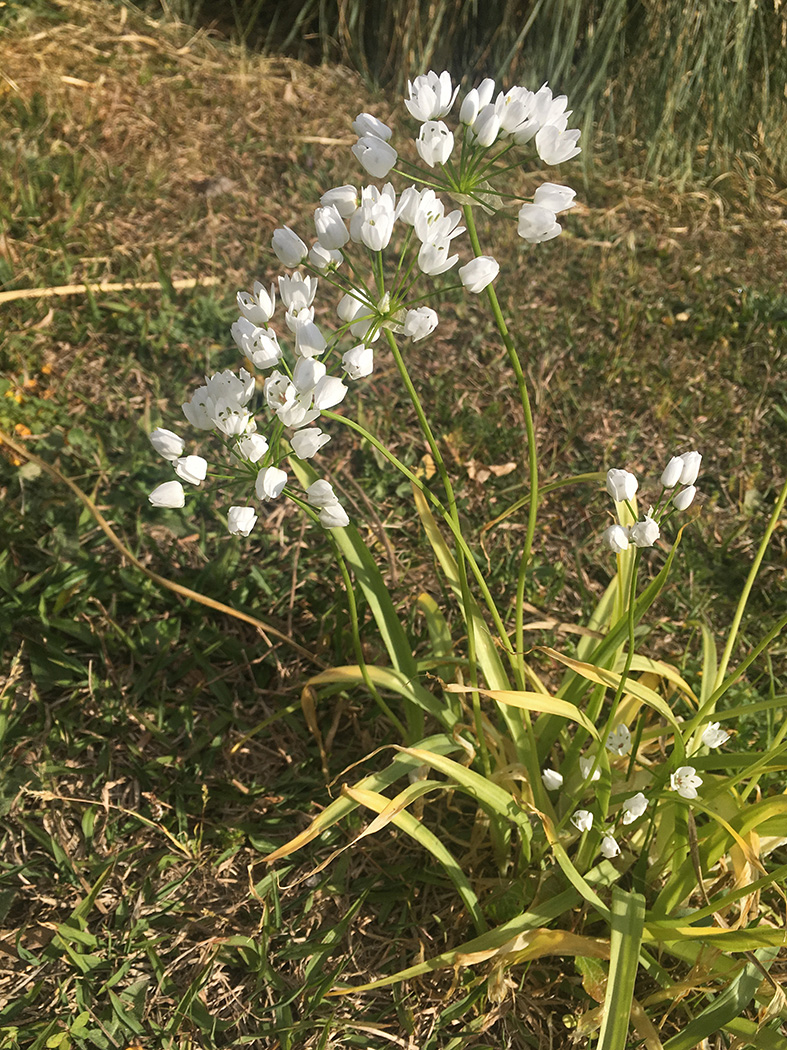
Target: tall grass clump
<point x="603" y="785"/>
<point x="675" y="88"/>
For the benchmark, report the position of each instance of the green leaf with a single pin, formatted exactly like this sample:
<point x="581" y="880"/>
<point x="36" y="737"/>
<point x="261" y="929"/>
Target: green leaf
<point x="628" y="917"/>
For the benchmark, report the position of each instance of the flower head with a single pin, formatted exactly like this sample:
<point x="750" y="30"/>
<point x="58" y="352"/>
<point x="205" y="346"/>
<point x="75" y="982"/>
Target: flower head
<point x="375" y="155"/>
<point x="634" y="807"/>
<point x="582" y="820"/>
<point x="685" y="781"/>
<point x="691" y="467"/>
<point x="554" y="146"/>
<point x="586" y="765"/>
<point x="556" y="198"/>
<point x="609" y="847"/>
<point x="616" y="537"/>
<point x="258" y="306"/>
<point x="192" y="469"/>
<point x="619" y="740"/>
<point x="714" y="736"/>
<point x="434" y="143"/>
<point x="420" y="323"/>
<point x="367" y="124"/>
<point x="307" y="443"/>
<point x="537" y="224"/>
<point x="241" y="520"/>
<point x="621" y="485"/>
<point x="170" y="494"/>
<point x="289" y="248"/>
<point x="479" y="273"/>
<point x="552" y="779"/>
<point x="684" y="499"/>
<point x="431" y="96"/>
<point x="645" y="532"/>
<point x="270" y="483"/>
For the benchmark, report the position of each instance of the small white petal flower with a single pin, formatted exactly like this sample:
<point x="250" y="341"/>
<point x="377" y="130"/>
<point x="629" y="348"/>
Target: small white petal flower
<point x="307" y="374"/>
<point x="479" y="273"/>
<point x="684" y="499"/>
<point x="251" y="447"/>
<point x="358" y="362"/>
<point x="259" y="306"/>
<point x="259" y="345"/>
<point x="167" y="444"/>
<point x="375" y="155"/>
<point x="691" y="467"/>
<point x="309" y="340"/>
<point x="334" y="516"/>
<point x="289" y="248"/>
<point x="323" y="259"/>
<point x="685" y="781"/>
<point x="407" y="208"/>
<point x="586" y="765"/>
<point x="329" y="392"/>
<point x="634" y="807"/>
<point x="320" y="494"/>
<point x="307" y="443"/>
<point x="192" y="469"/>
<point x="621" y="485"/>
<point x="616" y="537"/>
<point x="345" y="199"/>
<point x="582" y="820"/>
<point x="170" y="494"/>
<point x="713" y="736"/>
<point x="555" y="197"/>
<point x="368" y="124"/>
<point x="332" y="234"/>
<point x="619" y="740"/>
<point x="435" y="257"/>
<point x="241" y="520"/>
<point x="645" y="532"/>
<point x="555" y="146"/>
<point x="471" y="105"/>
<point x="270" y="483"/>
<point x="672" y="472"/>
<point x="486" y="126"/>
<point x="420" y="323"/>
<point x="552" y="779"/>
<point x="434" y="143"/>
<point x="609" y="847"/>
<point x="537" y="224"/>
<point x="431" y="96"/>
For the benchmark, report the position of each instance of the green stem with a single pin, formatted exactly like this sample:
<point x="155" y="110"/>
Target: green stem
<point x="736" y="622"/>
<point x="532" y="453"/>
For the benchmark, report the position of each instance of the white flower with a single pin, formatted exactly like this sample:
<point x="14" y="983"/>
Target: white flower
<point x="241" y="520"/>
<point x="307" y="443"/>
<point x="375" y="155"/>
<point x="358" y="362"/>
<point x="685" y="781"/>
<point x="556" y="198"/>
<point x="259" y="306"/>
<point x="307" y="374"/>
<point x="332" y="234"/>
<point x="407" y="208"/>
<point x="270" y="483"/>
<point x="634" y="807"/>
<point x="621" y="485"/>
<point x="609" y="847"/>
<point x="373" y="221"/>
<point x="616" y="537"/>
<point x="619" y="740"/>
<point x="684" y="499"/>
<point x="293" y="407"/>
<point x="420" y="323"/>
<point x="586" y="765"/>
<point x="259" y="345"/>
<point x="323" y="259"/>
<point x="672" y="472"/>
<point x="329" y="392"/>
<point x="555" y="146"/>
<point x="431" y="96"/>
<point x="486" y="126"/>
<point x="645" y="532"/>
<point x="251" y="447"/>
<point x="434" y="143"/>
<point x="368" y="124"/>
<point x="713" y="736"/>
<point x="320" y="494"/>
<point x="691" y="467"/>
<point x="170" y="494"/>
<point x="582" y="820"/>
<point x="220" y="404"/>
<point x="475" y="100"/>
<point x="309" y="340"/>
<point x="334" y="516"/>
<point x="552" y="779"/>
<point x="344" y="198"/>
<point x="537" y="224"/>
<point x="167" y="444"/>
<point x="479" y="273"/>
<point x="297" y="291"/>
<point x="434" y="257"/>
<point x="289" y="248"/>
<point x="192" y="469"/>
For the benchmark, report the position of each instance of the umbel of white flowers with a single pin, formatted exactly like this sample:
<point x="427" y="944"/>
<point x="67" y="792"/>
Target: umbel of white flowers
<point x="622" y="486"/>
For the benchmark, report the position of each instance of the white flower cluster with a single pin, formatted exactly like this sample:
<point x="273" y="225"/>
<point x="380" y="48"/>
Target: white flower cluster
<point x="487" y="125"/>
<point x="622" y="487"/>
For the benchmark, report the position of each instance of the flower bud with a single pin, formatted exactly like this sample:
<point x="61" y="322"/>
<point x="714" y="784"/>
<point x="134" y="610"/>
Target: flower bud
<point x="320" y="494"/>
<point x="368" y="124"/>
<point x="486" y="126"/>
<point x="691" y="467"/>
<point x="375" y="155"/>
<point x="609" y="847"/>
<point x="270" y="483"/>
<point x="645" y="532"/>
<point x="479" y="273"/>
<point x="672" y="472"/>
<point x="334" y="516"/>
<point x="556" y="198"/>
<point x="344" y="198"/>
<point x="170" y="494"/>
<point x="241" y="520"/>
<point x="537" y="224"/>
<point x="289" y="248"/>
<point x="684" y="499"/>
<point x="552" y="779"/>
<point x="616" y="538"/>
<point x="331" y="231"/>
<point x="621" y="485"/>
<point x="167" y="444"/>
<point x="582" y="820"/>
<point x="192" y="469"/>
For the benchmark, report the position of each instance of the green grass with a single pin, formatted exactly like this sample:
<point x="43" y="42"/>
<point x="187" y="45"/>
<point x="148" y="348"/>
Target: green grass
<point x="153" y="751"/>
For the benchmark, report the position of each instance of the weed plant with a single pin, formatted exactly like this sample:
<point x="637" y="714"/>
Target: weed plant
<point x="155" y="749"/>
